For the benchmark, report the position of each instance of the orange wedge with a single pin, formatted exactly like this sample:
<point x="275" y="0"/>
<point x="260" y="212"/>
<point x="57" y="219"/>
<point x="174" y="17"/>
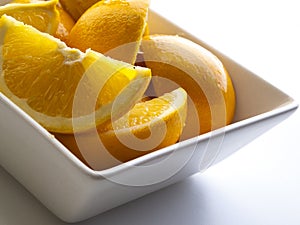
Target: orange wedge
<point x="64" y="89"/>
<point x="148" y="126"/>
<point x="42" y="15"/>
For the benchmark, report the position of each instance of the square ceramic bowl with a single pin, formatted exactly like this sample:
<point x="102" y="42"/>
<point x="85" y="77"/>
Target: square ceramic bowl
<point x="74" y="192"/>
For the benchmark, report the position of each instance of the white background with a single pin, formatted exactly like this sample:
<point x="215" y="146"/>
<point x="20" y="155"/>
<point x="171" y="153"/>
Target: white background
<point x="260" y="184"/>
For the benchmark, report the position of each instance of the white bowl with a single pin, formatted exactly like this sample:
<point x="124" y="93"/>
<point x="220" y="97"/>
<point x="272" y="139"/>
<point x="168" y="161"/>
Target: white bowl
<point x="74" y="192"/>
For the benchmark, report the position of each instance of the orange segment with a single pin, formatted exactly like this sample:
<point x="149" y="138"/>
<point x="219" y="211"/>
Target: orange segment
<point x="112" y="27"/>
<point x="65" y="25"/>
<point x="176" y="61"/>
<point x="42" y="15"/>
<point x="148" y="126"/>
<point x="65" y="21"/>
<point x="62" y="88"/>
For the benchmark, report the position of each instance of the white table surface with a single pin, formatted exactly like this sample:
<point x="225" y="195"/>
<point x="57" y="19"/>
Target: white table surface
<point x="260" y="184"/>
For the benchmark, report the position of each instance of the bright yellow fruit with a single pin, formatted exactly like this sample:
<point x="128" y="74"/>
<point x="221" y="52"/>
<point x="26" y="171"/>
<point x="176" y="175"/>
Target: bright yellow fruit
<point x="77" y="7"/>
<point x="42" y="15"/>
<point x="112" y="27"/>
<point x="65" y="23"/>
<point x="64" y="89"/>
<point x="176" y="61"/>
<point x="148" y="126"/>
<point x="25" y="1"/>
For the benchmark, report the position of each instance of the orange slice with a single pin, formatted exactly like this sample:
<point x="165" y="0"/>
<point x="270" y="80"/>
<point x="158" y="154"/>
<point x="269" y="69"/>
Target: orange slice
<point x="42" y="15"/>
<point x="148" y="126"/>
<point x="64" y="89"/>
<point x="65" y="23"/>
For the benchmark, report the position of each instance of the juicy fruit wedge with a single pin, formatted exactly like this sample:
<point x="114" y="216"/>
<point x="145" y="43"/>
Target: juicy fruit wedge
<point x="42" y="15"/>
<point x="148" y="126"/>
<point x="65" y="23"/>
<point x="112" y="27"/>
<point x="63" y="89"/>
<point x="176" y="61"/>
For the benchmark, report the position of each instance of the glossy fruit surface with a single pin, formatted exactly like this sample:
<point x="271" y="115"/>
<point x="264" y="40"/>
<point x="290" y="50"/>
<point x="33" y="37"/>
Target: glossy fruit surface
<point x="176" y="61"/>
<point x="60" y="87"/>
<point x="150" y="125"/>
<point x="113" y="27"/>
